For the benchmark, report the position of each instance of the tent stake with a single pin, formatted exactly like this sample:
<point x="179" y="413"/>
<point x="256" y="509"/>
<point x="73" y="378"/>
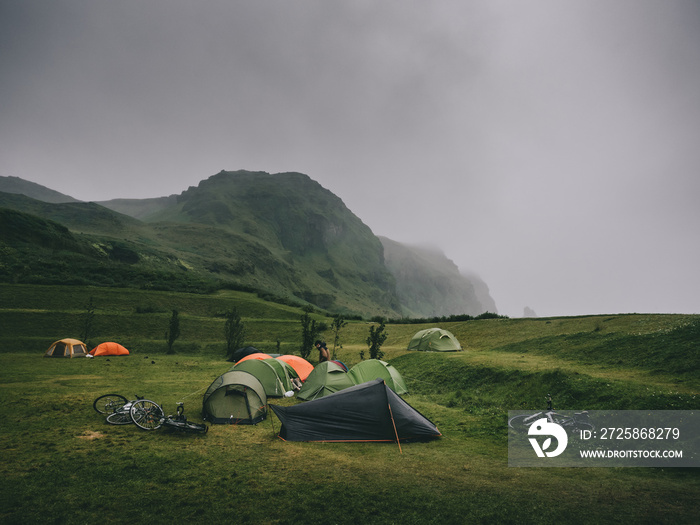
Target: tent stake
<point x="391" y="414"/>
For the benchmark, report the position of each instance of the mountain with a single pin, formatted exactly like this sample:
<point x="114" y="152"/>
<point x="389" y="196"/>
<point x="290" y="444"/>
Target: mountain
<point x="482" y="292"/>
<point x="140" y="209"/>
<point x="289" y="227"/>
<point x="283" y="235"/>
<point x="32" y="189"/>
<point x="82" y="217"/>
<point x="430" y="285"/>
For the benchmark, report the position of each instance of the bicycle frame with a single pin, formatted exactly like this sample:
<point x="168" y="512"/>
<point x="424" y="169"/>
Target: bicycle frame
<point x="578" y="420"/>
<point x="148" y="415"/>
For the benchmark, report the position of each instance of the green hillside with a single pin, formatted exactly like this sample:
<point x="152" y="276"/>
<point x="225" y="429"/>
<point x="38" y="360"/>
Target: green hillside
<point x="50" y="431"/>
<point x="140" y="209"/>
<point x="80" y="217"/>
<point x="334" y="259"/>
<point x="23" y="228"/>
<point x="41" y="251"/>
<point x="282" y="235"/>
<point x="645" y="348"/>
<point x="332" y="263"/>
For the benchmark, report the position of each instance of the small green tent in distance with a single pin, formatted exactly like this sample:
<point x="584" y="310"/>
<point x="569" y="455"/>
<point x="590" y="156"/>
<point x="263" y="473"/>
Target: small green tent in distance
<point x="235" y="397"/>
<point x="326" y="378"/>
<point x="373" y="369"/>
<point x="434" y="340"/>
<point x="275" y="376"/>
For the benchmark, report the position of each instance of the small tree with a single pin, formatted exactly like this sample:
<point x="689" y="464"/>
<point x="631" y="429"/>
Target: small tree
<point x="338" y="323"/>
<point x="88" y="318"/>
<point x="234" y="331"/>
<point x="375" y="340"/>
<point x="173" y="331"/>
<point x="309" y="333"/>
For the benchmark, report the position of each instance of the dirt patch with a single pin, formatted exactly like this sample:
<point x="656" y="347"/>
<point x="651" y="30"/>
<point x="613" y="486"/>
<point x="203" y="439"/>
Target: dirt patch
<point x="90" y="435"/>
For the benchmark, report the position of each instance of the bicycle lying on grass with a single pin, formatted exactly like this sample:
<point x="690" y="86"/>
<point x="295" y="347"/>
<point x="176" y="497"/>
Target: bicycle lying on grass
<point x="144" y="413"/>
<point x="148" y="415"/>
<point x="579" y="421"/>
<point x="117" y="408"/>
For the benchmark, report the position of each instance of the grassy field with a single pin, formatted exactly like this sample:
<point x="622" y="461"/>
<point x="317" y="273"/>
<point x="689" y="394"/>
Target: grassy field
<point x="63" y="464"/>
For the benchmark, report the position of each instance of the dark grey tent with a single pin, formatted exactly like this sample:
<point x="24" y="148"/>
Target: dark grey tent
<point x="242" y="352"/>
<point x="367" y="412"/>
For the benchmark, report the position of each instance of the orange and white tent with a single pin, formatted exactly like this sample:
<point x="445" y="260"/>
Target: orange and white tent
<point x="108" y="348"/>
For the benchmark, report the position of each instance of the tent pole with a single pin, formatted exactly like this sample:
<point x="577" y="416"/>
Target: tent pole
<point x="391" y="414"/>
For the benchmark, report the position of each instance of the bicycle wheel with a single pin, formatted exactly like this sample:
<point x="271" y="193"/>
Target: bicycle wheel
<point x="146" y="414"/>
<point x="109" y="403"/>
<point x="119" y="418"/>
<point x="522" y="422"/>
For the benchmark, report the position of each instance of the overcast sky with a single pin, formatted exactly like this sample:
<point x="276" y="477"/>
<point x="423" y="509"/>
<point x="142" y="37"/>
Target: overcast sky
<point x="550" y="146"/>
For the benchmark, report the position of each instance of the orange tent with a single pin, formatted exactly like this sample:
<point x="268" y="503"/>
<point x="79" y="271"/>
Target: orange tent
<point x="300" y="365"/>
<point x="259" y="355"/>
<point x="109" y="349"/>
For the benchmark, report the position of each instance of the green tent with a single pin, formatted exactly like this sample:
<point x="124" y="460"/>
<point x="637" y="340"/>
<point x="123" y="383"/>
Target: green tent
<point x="373" y="369"/>
<point x="434" y="340"/>
<point x="274" y="375"/>
<point x="235" y="397"/>
<point x="326" y="378"/>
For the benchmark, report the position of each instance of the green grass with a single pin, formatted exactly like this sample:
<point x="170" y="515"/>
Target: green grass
<point x="63" y="464"/>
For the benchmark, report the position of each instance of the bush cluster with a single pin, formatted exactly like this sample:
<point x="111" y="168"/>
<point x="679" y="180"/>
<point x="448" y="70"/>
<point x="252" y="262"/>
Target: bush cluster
<point x="447" y="319"/>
